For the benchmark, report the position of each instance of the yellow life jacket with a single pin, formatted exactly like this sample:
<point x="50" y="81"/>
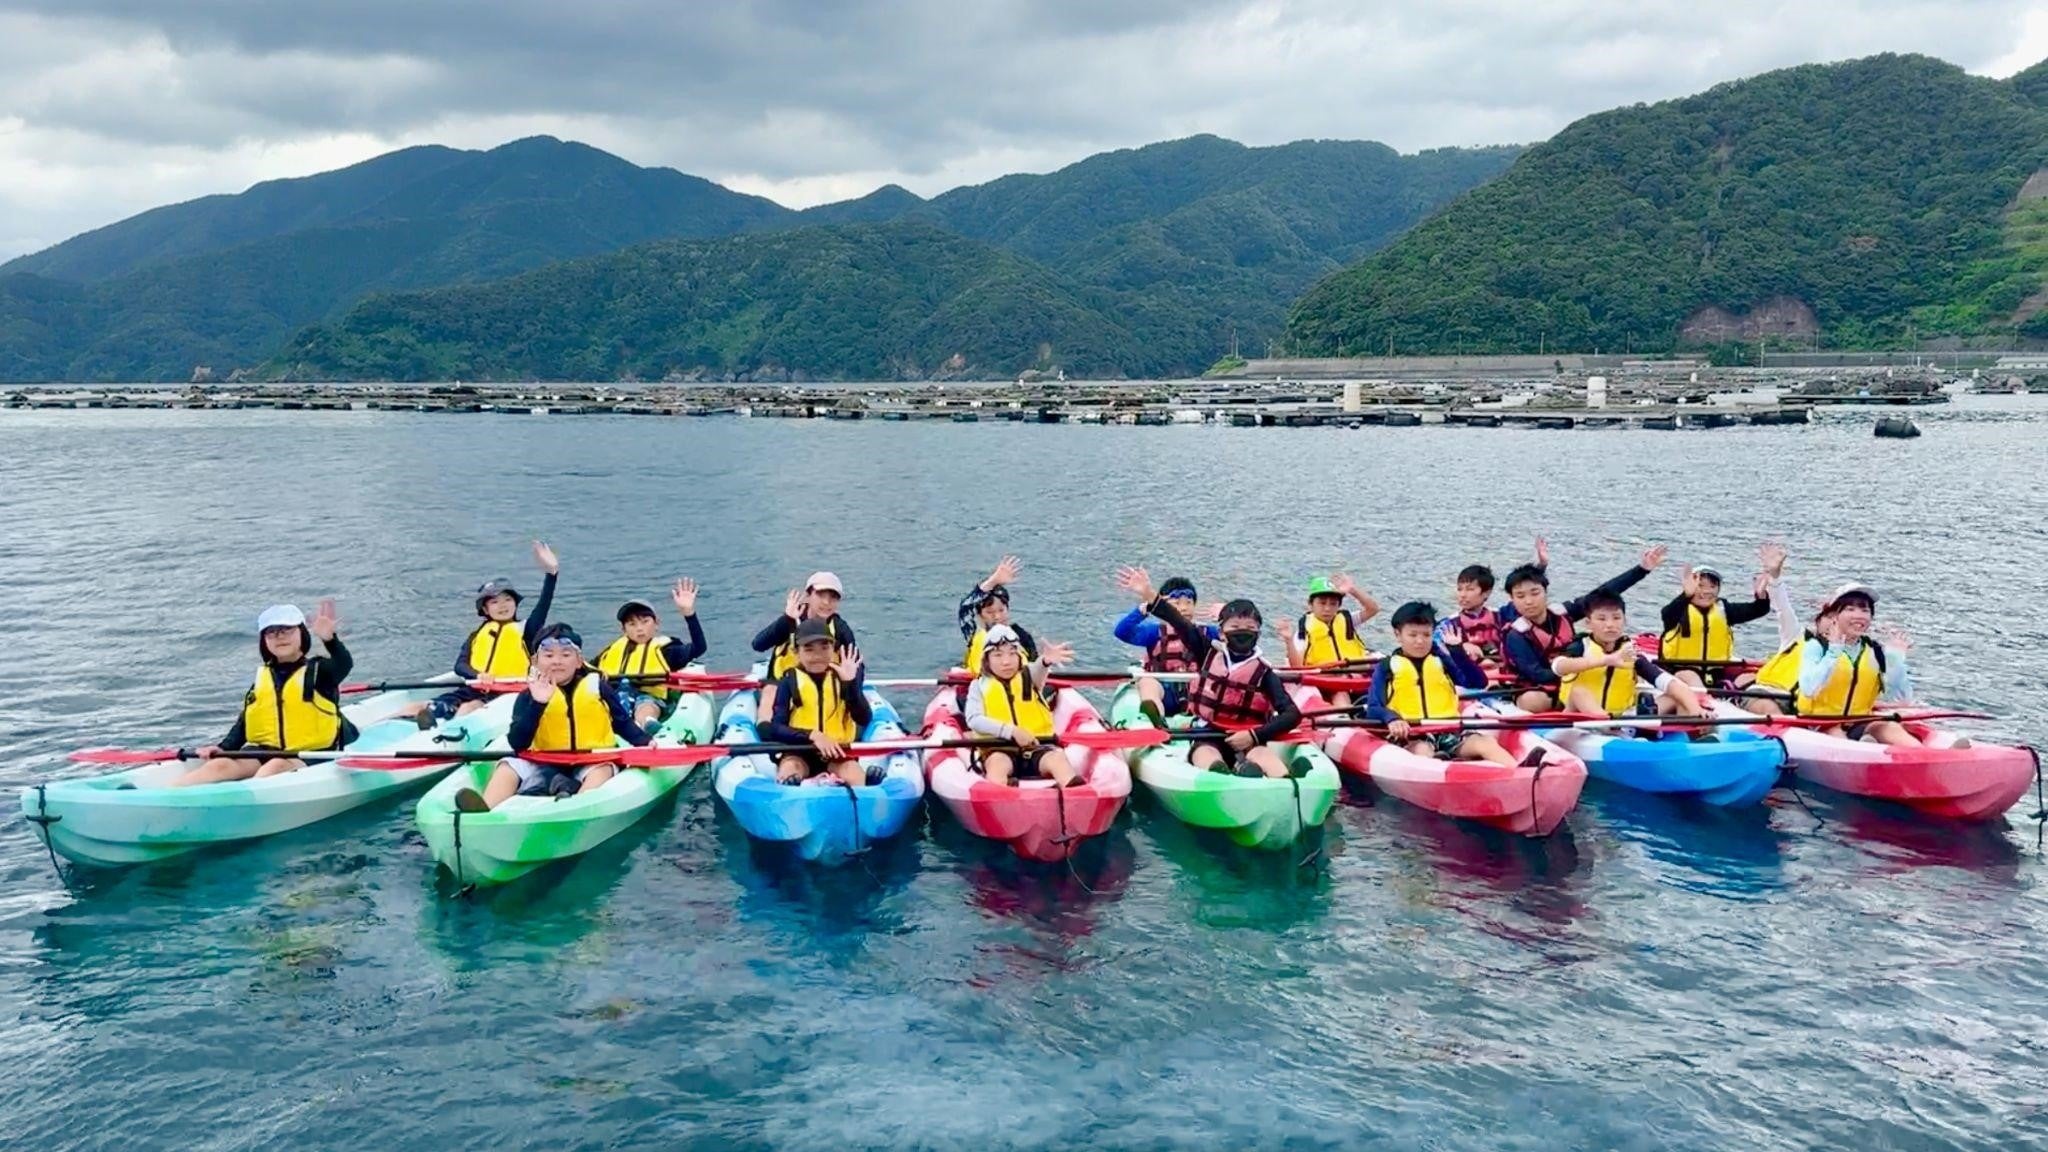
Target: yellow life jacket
<point x="1781" y="669"/>
<point x="820" y="706"/>
<point x="575" y="719"/>
<point x="1615" y="687"/>
<point x="1852" y="687"/>
<point x="1333" y="643"/>
<point x="293" y="718"/>
<point x="498" y="650"/>
<point x="1706" y="635"/>
<point x="1018" y="703"/>
<point x="624" y="658"/>
<point x="1421" y="689"/>
<point x="785" y="652"/>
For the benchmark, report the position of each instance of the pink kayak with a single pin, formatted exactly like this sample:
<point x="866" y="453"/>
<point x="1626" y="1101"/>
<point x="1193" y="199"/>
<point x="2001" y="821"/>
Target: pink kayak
<point x="1530" y="799"/>
<point x="1973" y="782"/>
<point x="1037" y="820"/>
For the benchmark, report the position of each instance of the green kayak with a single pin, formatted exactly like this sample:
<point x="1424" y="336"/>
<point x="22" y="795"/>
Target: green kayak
<point x="526" y="832"/>
<point x="1255" y="811"/>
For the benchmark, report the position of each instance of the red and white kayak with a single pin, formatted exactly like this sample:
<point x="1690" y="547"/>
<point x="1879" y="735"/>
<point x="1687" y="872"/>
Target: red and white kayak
<point x="1972" y="782"/>
<point x="1036" y="819"/>
<point x="1530" y="799"/>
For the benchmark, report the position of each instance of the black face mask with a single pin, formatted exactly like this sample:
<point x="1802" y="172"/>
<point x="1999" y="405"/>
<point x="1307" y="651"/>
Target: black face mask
<point x="1240" y="644"/>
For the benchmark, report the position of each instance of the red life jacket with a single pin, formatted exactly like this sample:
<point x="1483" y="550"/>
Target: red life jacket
<point x="1548" y="643"/>
<point x="1481" y="628"/>
<point x="1233" y="699"/>
<point x="1168" y="654"/>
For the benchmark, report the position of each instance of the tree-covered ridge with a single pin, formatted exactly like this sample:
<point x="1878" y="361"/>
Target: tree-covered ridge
<point x="1874" y="193"/>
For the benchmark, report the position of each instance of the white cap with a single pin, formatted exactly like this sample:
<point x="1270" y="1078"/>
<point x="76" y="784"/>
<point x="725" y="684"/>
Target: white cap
<point x="281" y="616"/>
<point x="824" y="582"/>
<point x="1835" y="597"/>
<point x="1000" y="634"/>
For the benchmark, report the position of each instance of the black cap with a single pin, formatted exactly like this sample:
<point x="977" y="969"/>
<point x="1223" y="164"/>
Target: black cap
<point x="811" y="630"/>
<point x="490" y="588"/>
<point x="632" y="608"/>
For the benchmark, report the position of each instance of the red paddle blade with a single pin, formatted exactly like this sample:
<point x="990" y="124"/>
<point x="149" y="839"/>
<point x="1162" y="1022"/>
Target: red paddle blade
<point x="393" y="763"/>
<point x="125" y="755"/>
<point x="1116" y="739"/>
<point x="634" y="757"/>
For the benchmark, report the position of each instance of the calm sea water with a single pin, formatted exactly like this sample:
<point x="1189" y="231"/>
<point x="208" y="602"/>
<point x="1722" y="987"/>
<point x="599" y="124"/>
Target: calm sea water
<point x="1655" y="976"/>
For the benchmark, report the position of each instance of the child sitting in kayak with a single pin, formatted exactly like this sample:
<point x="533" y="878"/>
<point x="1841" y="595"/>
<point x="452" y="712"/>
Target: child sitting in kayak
<point x="294" y="704"/>
<point x="1478" y="621"/>
<point x="566" y="707"/>
<point x="1235" y="691"/>
<point x="1008" y="702"/>
<point x="987" y="606"/>
<point x="500" y="648"/>
<point x="1699" y="638"/>
<point x="641" y="651"/>
<point x="1164" y="653"/>
<point x="1327" y="634"/>
<point x="1601" y="672"/>
<point x="1418" y="684"/>
<point x="1533" y="634"/>
<point x="818" y="600"/>
<point x="1837" y="669"/>
<point x="821" y="700"/>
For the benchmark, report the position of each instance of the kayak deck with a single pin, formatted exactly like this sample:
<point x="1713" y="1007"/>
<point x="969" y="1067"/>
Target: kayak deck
<point x="1260" y="812"/>
<point x="1036" y="819"/>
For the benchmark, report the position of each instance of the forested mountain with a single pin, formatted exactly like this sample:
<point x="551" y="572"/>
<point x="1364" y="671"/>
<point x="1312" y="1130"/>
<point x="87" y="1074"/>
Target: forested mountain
<point x="1879" y="200"/>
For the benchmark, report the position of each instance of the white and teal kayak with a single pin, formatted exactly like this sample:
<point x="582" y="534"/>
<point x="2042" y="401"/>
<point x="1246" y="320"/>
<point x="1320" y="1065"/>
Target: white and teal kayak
<point x="133" y="817"/>
<point x="527" y="832"/>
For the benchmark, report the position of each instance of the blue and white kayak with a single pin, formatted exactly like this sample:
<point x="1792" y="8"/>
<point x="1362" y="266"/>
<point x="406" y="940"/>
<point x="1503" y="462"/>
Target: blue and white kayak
<point x="1733" y="767"/>
<point x="826" y="823"/>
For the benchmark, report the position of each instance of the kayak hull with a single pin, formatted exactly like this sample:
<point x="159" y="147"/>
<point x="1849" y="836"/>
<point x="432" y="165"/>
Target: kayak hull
<point x="133" y="817"/>
<point x="1734" y="769"/>
<point x="1527" y="799"/>
<point x="1975" y="782"/>
<point x="1037" y="820"/>
<point x="1253" y="811"/>
<point x="528" y="832"/>
<point x="826" y="824"/>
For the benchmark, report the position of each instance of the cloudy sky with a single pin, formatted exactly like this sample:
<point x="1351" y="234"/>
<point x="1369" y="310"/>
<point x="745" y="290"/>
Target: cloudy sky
<point x="108" y="107"/>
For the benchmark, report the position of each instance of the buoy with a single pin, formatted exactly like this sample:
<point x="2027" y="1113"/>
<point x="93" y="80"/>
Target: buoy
<point x="1896" y="428"/>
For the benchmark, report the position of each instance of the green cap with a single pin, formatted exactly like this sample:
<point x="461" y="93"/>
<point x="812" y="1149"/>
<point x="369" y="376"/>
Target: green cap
<point x="1320" y="586"/>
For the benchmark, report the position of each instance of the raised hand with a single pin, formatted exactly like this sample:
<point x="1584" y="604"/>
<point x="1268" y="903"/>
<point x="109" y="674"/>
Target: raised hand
<point x="1006" y="570"/>
<point x="847" y="667"/>
<point x="1771" y="555"/>
<point x="1138" y="583"/>
<point x="1542" y="552"/>
<point x="1688" y="582"/>
<point x="1893" y="638"/>
<point x="1451" y="635"/>
<point x="540" y="687"/>
<point x="793" y="604"/>
<point x="685" y="596"/>
<point x="1760" y="586"/>
<point x="1056" y="654"/>
<point x="1654" y="556"/>
<point x="324" y="620"/>
<point x="545" y="557"/>
<point x="1341" y="584"/>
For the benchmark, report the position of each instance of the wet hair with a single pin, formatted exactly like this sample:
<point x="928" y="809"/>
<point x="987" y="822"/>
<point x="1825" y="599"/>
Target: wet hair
<point x="1240" y="609"/>
<point x="1177" y="586"/>
<point x="1478" y="574"/>
<point x="1419" y="612"/>
<point x="1526" y="574"/>
<point x="305" y="645"/>
<point x="1601" y="598"/>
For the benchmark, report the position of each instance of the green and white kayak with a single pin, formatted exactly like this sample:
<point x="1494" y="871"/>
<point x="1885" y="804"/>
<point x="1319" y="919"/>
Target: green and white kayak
<point x="131" y="817"/>
<point x="1255" y="811"/>
<point x="526" y="832"/>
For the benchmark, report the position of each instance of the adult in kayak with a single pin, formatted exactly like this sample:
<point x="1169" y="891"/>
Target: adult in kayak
<point x="1418" y="684"/>
<point x="822" y="701"/>
<point x="642" y="650"/>
<point x="1838" y="669"/>
<point x="566" y="707"/>
<point x="500" y="648"/>
<point x="818" y="600"/>
<point x="1235" y="692"/>
<point x="1601" y="670"/>
<point x="294" y="705"/>
<point x="1478" y="622"/>
<point x="1533" y="633"/>
<point x="1699" y="625"/>
<point x="1327" y="634"/>
<point x="1164" y="652"/>
<point x="987" y="606"/>
<point x="1007" y="701"/>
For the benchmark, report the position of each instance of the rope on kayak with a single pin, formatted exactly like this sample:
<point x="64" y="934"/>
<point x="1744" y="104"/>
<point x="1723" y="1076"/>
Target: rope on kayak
<point x="853" y="799"/>
<point x="1788" y="779"/>
<point x="1536" y="778"/>
<point x="1301" y="823"/>
<point x="42" y="820"/>
<point x="461" y="889"/>
<point x="2040" y="804"/>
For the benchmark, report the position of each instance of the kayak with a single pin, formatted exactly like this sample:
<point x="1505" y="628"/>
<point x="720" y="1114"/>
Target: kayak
<point x="1732" y="768"/>
<point x="131" y="817"/>
<point x="1036" y="819"/>
<point x="827" y="824"/>
<point x="526" y="832"/>
<point x="1254" y="811"/>
<point x="1973" y="782"/>
<point x="1531" y="798"/>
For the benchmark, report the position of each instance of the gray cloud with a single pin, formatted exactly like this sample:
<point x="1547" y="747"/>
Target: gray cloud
<point x="108" y="106"/>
